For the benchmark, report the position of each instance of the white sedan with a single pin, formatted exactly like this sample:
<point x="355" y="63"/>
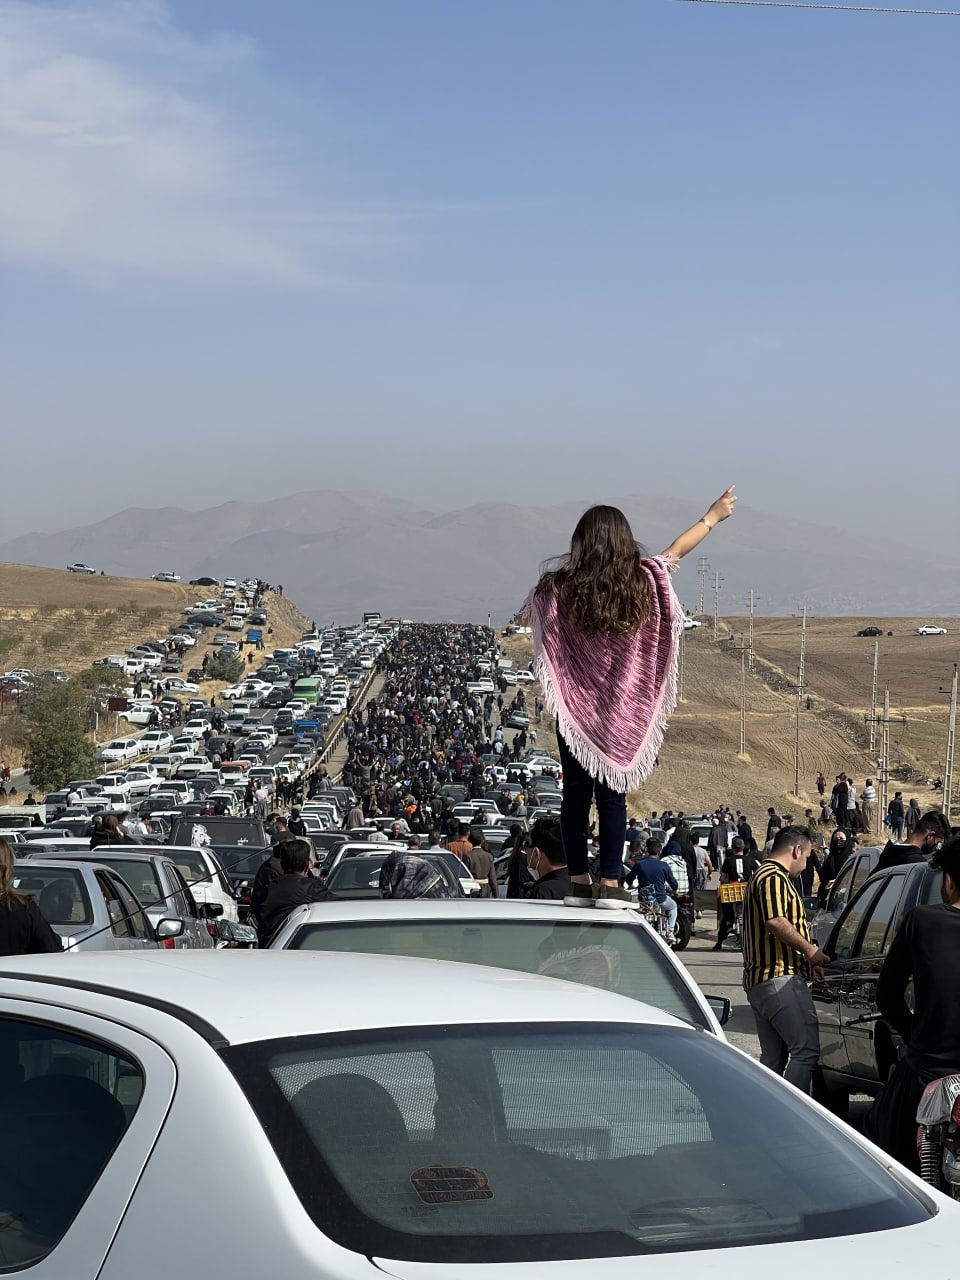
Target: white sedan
<point x="424" y="1121"/>
<point x="930" y="630"/>
<point x="175" y="685"/>
<point x="156" y="740"/>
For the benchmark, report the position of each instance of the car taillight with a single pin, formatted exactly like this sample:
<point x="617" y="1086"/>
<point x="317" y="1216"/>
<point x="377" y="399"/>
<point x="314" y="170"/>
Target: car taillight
<point x="211" y="929"/>
<point x="168" y="944"/>
<point x="955" y="1111"/>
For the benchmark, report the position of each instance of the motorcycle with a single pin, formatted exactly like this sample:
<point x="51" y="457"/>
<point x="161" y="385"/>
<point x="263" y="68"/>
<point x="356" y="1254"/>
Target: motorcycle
<point x="938" y="1135"/>
<point x="686" y="916"/>
<point x="657" y="920"/>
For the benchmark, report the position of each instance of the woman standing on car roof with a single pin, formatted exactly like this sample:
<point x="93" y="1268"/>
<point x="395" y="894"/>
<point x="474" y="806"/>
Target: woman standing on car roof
<point x="606" y="632"/>
<point x="23" y="930"/>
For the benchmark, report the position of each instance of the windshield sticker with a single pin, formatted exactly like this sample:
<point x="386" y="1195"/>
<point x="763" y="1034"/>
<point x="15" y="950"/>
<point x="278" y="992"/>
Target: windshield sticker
<point x="450" y="1184"/>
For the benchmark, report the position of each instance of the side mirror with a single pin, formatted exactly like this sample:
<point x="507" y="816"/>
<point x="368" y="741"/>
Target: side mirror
<point x="210" y="910"/>
<point x="720" y="1008"/>
<point x="168" y="928"/>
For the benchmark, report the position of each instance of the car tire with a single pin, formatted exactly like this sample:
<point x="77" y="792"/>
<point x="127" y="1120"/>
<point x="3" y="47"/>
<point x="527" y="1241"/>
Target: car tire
<point x="683" y="932"/>
<point x="836" y="1101"/>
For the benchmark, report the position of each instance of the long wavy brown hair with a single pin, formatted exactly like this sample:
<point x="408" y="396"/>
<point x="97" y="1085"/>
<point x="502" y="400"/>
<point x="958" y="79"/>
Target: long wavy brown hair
<point x="8" y="895"/>
<point x="600" y="582"/>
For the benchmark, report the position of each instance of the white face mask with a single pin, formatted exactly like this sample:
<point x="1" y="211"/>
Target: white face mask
<point x="534" y="873"/>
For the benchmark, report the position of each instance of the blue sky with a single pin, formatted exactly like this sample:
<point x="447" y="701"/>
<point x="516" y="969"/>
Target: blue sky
<point x="461" y="251"/>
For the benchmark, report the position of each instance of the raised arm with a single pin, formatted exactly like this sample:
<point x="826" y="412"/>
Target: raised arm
<point x="722" y="509"/>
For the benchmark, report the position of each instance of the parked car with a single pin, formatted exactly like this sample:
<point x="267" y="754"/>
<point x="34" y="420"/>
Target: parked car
<point x="166" y="575"/>
<point x="86" y="904"/>
<point x="181" y="686"/>
<point x="80" y="567"/>
<point x="870" y="631"/>
<point x="204" y="582"/>
<point x="851" y="876"/>
<point x="857" y="1048"/>
<point x="158" y="885"/>
<point x="119" y="750"/>
<point x="535" y="937"/>
<point x="930" y="630"/>
<point x="202" y="871"/>
<point x="358" y="876"/>
<point x="417" y="1121"/>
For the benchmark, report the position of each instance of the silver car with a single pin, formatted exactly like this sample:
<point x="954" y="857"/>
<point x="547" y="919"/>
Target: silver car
<point x="89" y="907"/>
<point x="157" y="883"/>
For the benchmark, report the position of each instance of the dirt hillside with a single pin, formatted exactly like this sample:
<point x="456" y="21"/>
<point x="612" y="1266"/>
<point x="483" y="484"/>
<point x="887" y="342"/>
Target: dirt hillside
<point x="700" y="765"/>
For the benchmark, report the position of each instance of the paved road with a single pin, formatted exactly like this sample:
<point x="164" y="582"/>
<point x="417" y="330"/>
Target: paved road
<point x="721" y="974"/>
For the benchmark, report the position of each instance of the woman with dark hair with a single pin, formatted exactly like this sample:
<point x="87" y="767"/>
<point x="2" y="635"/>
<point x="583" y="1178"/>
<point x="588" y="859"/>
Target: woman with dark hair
<point x="107" y="831"/>
<point x="23" y="930"/>
<point x="606" y="630"/>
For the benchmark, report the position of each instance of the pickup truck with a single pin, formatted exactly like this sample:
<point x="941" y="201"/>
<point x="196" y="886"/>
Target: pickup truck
<point x="166" y="576"/>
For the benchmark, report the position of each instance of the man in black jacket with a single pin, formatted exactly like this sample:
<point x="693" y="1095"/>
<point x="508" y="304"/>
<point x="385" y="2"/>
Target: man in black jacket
<point x="932" y="829"/>
<point x="924" y="952"/>
<point x="546" y="861"/>
<point x="295" y="886"/>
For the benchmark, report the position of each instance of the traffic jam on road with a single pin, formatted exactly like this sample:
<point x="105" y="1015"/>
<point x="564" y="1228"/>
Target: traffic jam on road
<point x="402" y="1051"/>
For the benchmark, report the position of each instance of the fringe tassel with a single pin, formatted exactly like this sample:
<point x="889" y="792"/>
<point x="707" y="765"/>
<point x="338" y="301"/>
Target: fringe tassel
<point x="583" y="751"/>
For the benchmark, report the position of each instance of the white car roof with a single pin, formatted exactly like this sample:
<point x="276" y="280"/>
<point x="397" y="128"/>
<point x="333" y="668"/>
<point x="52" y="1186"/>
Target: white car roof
<point x="236" y="992"/>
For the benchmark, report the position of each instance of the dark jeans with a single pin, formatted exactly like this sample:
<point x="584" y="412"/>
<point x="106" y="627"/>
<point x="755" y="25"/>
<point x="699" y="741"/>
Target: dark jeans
<point x="579" y="790"/>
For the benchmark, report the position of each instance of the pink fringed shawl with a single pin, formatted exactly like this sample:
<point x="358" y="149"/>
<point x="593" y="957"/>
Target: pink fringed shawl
<point x="612" y="695"/>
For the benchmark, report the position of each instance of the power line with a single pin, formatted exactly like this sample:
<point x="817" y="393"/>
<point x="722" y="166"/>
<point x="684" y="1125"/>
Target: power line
<point x="835" y="8"/>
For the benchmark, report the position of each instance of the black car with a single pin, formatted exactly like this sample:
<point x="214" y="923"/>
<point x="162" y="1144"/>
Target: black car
<point x="871" y="631"/>
<point x="172" y="664"/>
<point x="277" y="698"/>
<point x="196" y="674"/>
<point x="207" y="619"/>
<point x="851" y="876"/>
<point x="857" y="1048"/>
<point x="204" y="582"/>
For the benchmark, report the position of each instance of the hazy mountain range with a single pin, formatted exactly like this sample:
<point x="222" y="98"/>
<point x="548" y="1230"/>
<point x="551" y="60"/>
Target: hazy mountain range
<point x="338" y="553"/>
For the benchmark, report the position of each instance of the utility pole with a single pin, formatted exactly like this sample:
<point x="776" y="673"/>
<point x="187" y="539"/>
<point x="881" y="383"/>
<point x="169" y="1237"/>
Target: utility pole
<point x="752" y="601"/>
<point x="883" y="762"/>
<point x="873" y="697"/>
<point x="948" y="763"/>
<point x="800" y="692"/>
<point x="717" y="584"/>
<point x="680" y="667"/>
<point x="703" y="568"/>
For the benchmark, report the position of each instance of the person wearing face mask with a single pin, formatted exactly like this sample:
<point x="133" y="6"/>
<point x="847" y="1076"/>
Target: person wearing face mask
<point x="924" y="954"/>
<point x="926" y="837"/>
<point x="546" y="861"/>
<point x="837" y="855"/>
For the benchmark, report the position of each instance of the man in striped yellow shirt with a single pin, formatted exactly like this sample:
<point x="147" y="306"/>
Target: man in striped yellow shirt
<point x="778" y="957"/>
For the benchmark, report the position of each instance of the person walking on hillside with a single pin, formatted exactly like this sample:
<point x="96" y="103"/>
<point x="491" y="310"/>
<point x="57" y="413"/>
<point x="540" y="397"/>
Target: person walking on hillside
<point x="895" y="816"/>
<point x="606" y="632"/>
<point x="778" y="957"/>
<point x="868" y="804"/>
<point x="821" y="783"/>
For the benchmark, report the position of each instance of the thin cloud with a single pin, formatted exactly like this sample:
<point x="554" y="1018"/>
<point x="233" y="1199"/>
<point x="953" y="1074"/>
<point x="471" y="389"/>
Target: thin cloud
<point x="122" y="155"/>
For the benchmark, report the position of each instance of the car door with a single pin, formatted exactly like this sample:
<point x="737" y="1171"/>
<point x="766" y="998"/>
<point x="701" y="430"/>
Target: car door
<point x="129" y="926"/>
<point x="195" y="933"/>
<point x="82" y="1102"/>
<point x="827" y="994"/>
<point x="858" y="987"/>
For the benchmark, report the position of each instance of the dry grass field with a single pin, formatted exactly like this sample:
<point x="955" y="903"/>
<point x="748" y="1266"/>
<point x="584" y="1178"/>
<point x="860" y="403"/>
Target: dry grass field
<point x="700" y="765"/>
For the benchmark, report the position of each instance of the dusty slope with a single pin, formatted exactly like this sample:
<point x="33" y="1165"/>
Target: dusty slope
<point x="699" y="765"/>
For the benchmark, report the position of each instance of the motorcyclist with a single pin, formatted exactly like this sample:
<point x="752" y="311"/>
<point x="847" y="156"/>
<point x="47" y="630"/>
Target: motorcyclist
<point x="924" y="952"/>
<point x="737" y="867"/>
<point x="654" y="878"/>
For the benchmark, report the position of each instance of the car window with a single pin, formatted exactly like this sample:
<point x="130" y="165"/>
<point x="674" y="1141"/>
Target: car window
<point x="615" y="957"/>
<point x="133" y="918"/>
<point x="841" y="945"/>
<point x="884" y="905"/>
<point x="65" y="1101"/>
<point x="453" y="1144"/>
<point x="140" y="876"/>
<point x="183" y="894"/>
<point x="60" y="894"/>
<point x="862" y="870"/>
<point x="840" y="893"/>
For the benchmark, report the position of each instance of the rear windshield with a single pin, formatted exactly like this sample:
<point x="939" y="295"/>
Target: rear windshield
<point x="60" y="894"/>
<point x="219" y="831"/>
<point x="616" y="957"/>
<point x="539" y="1142"/>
